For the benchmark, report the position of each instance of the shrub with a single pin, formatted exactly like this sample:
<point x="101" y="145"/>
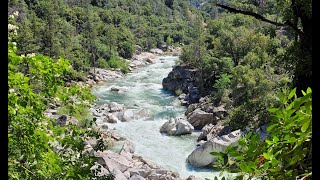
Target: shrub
<point x="286" y="153"/>
<point x="115" y="62"/>
<point x="82" y="114"/>
<point x="221" y="85"/>
<point x="102" y="63"/>
<point x="126" y="49"/>
<point x="178" y="92"/>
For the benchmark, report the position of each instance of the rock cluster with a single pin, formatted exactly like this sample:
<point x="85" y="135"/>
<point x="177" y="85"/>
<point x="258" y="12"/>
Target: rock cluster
<point x="115" y="112"/>
<point x="125" y="165"/>
<point x="184" y="78"/>
<point x="177" y="126"/>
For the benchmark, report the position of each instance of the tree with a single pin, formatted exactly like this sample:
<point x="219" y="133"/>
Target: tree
<point x="292" y="12"/>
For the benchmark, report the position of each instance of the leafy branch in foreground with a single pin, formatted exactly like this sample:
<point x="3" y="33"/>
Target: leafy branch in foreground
<point x="286" y="153"/>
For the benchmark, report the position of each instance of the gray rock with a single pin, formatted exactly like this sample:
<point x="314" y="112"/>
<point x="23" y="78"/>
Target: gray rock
<point x="201" y="156"/>
<point x="182" y="96"/>
<point x="65" y="120"/>
<point x="111" y="118"/>
<point x="127" y="174"/>
<point x="111" y="161"/>
<point x="211" y="131"/>
<point x="137" y="171"/>
<point x="128" y="147"/>
<point x="119" y="175"/>
<point x="126" y="115"/>
<point x="142" y="113"/>
<point x="191" y="108"/>
<point x="177" y="126"/>
<point x="92" y="141"/>
<point x="114" y="107"/>
<point x="199" y="119"/>
<point x="136" y="177"/>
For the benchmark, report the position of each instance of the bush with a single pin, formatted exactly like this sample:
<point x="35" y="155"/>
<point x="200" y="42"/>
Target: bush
<point x="286" y="153"/>
<point x="126" y="49"/>
<point x="82" y="114"/>
<point x="221" y="85"/>
<point x="76" y="75"/>
<point x="178" y="92"/>
<point x="102" y="63"/>
<point x="115" y="62"/>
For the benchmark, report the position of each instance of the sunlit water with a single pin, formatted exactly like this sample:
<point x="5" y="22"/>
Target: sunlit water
<point x="144" y="91"/>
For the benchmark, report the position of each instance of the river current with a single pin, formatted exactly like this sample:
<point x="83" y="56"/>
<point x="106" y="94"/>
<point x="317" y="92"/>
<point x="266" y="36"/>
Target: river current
<point x="143" y="90"/>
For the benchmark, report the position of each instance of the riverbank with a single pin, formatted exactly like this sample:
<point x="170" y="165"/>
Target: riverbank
<point x="138" y="60"/>
<point x="138" y="167"/>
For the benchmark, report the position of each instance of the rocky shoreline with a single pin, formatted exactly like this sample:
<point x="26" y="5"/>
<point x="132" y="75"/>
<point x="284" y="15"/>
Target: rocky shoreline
<point x="139" y="59"/>
<point x="203" y="115"/>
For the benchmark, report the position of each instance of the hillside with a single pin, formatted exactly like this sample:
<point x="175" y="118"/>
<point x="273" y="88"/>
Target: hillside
<point x="90" y="33"/>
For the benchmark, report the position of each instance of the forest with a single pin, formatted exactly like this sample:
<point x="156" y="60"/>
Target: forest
<point x="253" y="57"/>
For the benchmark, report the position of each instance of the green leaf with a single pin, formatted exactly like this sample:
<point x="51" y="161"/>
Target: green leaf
<point x="269" y="129"/>
<point x="243" y="167"/>
<point x="266" y="155"/>
<point x="275" y="139"/>
<point x="274" y="162"/>
<point x="309" y="90"/>
<point x="239" y="158"/>
<point x="305" y="125"/>
<point x="292" y="93"/>
<point x="216" y="153"/>
<point x="304" y="93"/>
<point x="272" y="110"/>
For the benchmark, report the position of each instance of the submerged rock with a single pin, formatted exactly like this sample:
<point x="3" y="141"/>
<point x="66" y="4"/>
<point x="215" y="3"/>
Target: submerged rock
<point x="142" y="113"/>
<point x="201" y="156"/>
<point x="176" y="127"/>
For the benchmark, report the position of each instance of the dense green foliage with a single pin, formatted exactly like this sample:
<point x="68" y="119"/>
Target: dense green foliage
<point x="252" y="60"/>
<point x="87" y="31"/>
<point x="242" y="55"/>
<point x="38" y="148"/>
<point x="286" y="153"/>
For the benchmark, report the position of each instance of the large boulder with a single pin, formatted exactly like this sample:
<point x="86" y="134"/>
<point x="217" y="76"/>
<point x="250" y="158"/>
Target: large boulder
<point x="126" y="115"/>
<point x="201" y="156"/>
<point x="112" y="161"/>
<point x="177" y="126"/>
<point x="118" y="174"/>
<point x="199" y="119"/>
<point x="114" y="107"/>
<point x="111" y="118"/>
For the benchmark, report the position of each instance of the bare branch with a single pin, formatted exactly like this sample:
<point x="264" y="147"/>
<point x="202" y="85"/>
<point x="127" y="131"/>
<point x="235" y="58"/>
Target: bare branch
<point x="260" y="17"/>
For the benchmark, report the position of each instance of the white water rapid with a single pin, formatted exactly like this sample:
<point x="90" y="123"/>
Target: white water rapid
<point x="144" y="90"/>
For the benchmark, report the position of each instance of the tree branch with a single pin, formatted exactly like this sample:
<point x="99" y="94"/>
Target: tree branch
<point x="260" y="17"/>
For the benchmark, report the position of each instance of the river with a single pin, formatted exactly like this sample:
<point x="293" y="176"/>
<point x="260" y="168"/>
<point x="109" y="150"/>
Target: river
<point x="144" y="91"/>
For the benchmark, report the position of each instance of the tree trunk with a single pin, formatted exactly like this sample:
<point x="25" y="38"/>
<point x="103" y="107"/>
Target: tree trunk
<point x="303" y="71"/>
